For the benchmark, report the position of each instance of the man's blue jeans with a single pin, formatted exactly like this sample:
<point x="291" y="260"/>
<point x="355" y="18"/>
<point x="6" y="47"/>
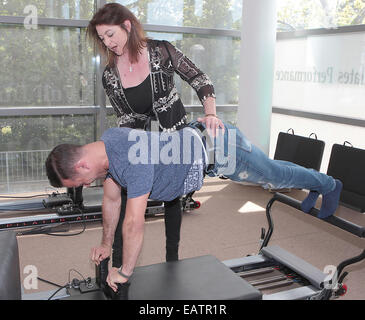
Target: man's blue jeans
<point x="244" y="162"/>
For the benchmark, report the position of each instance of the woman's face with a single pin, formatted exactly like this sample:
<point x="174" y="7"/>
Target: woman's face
<point x="114" y="37"/>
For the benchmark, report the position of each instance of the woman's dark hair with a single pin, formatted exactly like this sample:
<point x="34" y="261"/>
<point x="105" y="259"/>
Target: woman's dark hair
<point x="116" y="14"/>
<point x="60" y="163"/>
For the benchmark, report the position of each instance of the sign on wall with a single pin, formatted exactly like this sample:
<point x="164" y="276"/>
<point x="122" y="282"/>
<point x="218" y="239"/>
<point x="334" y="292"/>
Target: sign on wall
<point x="322" y="74"/>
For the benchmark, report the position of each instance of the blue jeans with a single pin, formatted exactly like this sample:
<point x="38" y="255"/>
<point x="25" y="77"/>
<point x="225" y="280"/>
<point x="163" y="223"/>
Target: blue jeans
<point x="239" y="160"/>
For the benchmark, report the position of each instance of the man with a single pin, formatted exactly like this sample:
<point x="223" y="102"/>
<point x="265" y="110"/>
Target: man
<point x="164" y="166"/>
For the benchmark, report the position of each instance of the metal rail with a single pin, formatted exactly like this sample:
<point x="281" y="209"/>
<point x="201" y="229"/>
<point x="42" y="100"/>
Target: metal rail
<point x="333" y="220"/>
<point x="341" y="223"/>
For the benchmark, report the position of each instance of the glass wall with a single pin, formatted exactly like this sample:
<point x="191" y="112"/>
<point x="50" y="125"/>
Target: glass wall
<point x="314" y="14"/>
<point x="322" y="73"/>
<point x="48" y="92"/>
<point x="66" y="9"/>
<point x="46" y="76"/>
<point x="25" y="143"/>
<point x="50" y="66"/>
<point x="319" y="77"/>
<point x="222" y="14"/>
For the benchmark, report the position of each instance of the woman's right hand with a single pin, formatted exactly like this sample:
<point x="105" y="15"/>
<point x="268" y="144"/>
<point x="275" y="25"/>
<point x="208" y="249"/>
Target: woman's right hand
<point x="100" y="253"/>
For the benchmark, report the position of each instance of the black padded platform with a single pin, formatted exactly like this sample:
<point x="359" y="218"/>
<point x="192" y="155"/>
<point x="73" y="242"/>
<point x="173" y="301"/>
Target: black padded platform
<point x="10" y="288"/>
<point x="199" y="278"/>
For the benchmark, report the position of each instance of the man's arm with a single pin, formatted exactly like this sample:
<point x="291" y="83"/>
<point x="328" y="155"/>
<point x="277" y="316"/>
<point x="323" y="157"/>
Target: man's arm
<point x="111" y="211"/>
<point x="133" y="231"/>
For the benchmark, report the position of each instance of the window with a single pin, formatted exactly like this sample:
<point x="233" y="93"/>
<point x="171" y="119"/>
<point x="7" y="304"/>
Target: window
<point x="46" y="78"/>
<point x="322" y="73"/>
<point x="26" y="141"/>
<point x="223" y="14"/>
<point x="312" y="14"/>
<point x="319" y="76"/>
<point x="49" y="66"/>
<point x="66" y="9"/>
<point x="48" y="93"/>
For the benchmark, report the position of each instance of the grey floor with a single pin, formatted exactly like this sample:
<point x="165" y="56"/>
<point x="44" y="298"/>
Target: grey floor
<point x="227" y="226"/>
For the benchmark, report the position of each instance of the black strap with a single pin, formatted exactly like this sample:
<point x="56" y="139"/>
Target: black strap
<point x="207" y="143"/>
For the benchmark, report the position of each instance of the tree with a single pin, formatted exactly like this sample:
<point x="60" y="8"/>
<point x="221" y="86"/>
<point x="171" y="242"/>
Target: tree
<point x="309" y="14"/>
<point x="46" y="66"/>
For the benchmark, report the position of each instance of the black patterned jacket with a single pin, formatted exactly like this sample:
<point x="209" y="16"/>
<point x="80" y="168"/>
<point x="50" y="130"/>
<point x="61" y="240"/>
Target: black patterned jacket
<point x="165" y="60"/>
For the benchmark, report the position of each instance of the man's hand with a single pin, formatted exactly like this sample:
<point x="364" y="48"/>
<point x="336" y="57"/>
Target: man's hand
<point x="100" y="253"/>
<point x="114" y="278"/>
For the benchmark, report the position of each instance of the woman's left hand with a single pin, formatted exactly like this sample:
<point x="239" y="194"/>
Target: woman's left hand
<point x="213" y="124"/>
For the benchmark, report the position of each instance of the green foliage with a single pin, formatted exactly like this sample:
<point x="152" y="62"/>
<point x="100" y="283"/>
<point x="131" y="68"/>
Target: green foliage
<point x="310" y="14"/>
<point x="72" y="9"/>
<point x="43" y="133"/>
<point x="45" y="66"/>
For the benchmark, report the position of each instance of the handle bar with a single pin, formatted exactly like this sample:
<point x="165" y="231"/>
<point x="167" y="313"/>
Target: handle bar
<point x="336" y="221"/>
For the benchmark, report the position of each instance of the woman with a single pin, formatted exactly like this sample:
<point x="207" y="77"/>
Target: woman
<point x="139" y="81"/>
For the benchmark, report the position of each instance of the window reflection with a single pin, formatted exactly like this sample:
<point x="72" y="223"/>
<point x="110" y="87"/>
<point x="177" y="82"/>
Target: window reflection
<point x="66" y="9"/>
<point x="313" y="14"/>
<point x="49" y="66"/>
<point x="223" y="14"/>
<point x="25" y="143"/>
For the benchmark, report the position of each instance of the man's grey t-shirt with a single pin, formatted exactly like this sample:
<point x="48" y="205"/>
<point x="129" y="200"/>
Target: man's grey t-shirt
<point x="166" y="165"/>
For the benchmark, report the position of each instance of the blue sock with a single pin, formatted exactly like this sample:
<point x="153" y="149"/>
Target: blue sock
<point x="309" y="202"/>
<point x="330" y="201"/>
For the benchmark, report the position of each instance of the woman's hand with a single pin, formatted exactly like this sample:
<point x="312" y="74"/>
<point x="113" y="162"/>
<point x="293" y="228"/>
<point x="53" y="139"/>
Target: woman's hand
<point x="213" y="124"/>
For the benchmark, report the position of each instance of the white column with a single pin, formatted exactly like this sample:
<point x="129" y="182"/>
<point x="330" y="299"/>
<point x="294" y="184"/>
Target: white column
<point x="258" y="38"/>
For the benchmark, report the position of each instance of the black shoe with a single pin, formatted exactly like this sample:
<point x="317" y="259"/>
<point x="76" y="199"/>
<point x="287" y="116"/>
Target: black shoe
<point x="172" y="254"/>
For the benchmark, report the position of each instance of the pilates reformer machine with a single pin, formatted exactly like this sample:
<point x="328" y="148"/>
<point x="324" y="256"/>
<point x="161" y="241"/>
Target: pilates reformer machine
<point x="284" y="276"/>
<point x="55" y="212"/>
<point x="272" y="274"/>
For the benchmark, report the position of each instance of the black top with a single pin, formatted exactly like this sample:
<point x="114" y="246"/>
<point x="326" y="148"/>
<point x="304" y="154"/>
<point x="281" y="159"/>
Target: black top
<point x="140" y="97"/>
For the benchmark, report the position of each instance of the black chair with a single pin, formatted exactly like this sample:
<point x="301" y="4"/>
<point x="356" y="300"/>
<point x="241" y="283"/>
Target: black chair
<point x="347" y="164"/>
<point x="304" y="151"/>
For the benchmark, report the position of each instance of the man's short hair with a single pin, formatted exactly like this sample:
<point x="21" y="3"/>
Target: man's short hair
<point x="60" y="163"/>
